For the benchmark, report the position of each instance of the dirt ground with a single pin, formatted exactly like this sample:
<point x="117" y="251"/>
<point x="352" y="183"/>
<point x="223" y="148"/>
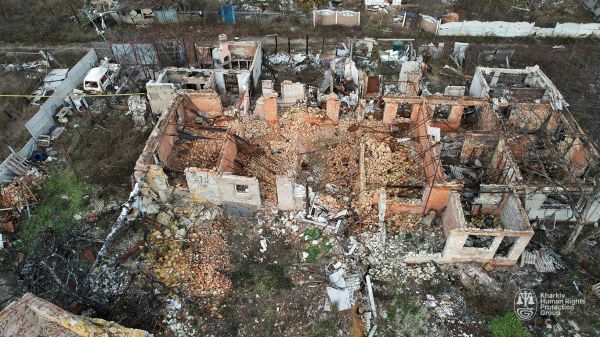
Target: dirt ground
<point x="104" y="147"/>
<point x="27" y="21"/>
<point x="15" y="112"/>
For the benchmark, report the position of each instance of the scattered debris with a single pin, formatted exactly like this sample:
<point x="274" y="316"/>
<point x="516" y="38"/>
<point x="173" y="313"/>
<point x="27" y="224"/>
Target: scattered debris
<point x="22" y="191"/>
<point x="544" y="260"/>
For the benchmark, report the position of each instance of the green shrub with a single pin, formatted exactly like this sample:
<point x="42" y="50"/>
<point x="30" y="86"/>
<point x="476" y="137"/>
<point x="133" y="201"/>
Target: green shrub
<point x="313" y="254"/>
<point x="62" y="197"/>
<point x="508" y="325"/>
<point x="312" y="234"/>
<point x="315" y="250"/>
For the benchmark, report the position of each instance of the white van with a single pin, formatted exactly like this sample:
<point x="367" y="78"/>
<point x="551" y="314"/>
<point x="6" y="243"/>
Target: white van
<point x="100" y="78"/>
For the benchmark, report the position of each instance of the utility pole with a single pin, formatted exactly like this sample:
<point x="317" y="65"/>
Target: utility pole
<point x="97" y="29"/>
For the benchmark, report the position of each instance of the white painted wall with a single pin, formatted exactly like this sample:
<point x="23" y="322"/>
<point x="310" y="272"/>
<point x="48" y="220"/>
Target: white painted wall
<point x="517" y="29"/>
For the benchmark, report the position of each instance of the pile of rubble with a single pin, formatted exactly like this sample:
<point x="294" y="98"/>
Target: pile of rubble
<point x="400" y="222"/>
<point x="252" y="128"/>
<point x="22" y="190"/>
<point x="385" y="165"/>
<point x="331" y="203"/>
<point x="342" y="166"/>
<point x="304" y="135"/>
<point x="367" y="212"/>
<point x="448" y="316"/>
<point x="178" y="319"/>
<point x="197" y="149"/>
<point x="486" y="221"/>
<point x="138" y="110"/>
<point x="191" y="256"/>
<point x="378" y="161"/>
<point x="386" y="263"/>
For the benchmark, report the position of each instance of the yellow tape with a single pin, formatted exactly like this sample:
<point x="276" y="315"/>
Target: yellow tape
<point x="79" y="95"/>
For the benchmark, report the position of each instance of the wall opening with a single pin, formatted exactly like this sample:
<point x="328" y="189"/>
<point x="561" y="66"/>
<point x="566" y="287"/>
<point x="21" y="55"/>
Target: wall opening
<point x="231" y="83"/>
<point x="193" y="86"/>
<point x="404" y="111"/>
<point x="242" y="189"/>
<point x="505" y="246"/>
<point x="469" y="120"/>
<point x="441" y="112"/>
<point x="554" y="201"/>
<point x="479" y="241"/>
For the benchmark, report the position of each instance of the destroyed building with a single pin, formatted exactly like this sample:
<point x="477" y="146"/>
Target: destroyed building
<point x="355" y="152"/>
<point x="226" y="76"/>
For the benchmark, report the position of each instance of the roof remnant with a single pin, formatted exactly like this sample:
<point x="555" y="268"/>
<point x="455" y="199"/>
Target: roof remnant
<point x="32" y="316"/>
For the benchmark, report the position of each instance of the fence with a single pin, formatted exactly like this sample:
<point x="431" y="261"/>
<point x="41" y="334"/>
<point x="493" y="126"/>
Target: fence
<point x="166" y="15"/>
<point x="43" y="120"/>
<point x="516" y="29"/>
<point x="153" y="55"/>
<point x="326" y="17"/>
<point x="226" y="13"/>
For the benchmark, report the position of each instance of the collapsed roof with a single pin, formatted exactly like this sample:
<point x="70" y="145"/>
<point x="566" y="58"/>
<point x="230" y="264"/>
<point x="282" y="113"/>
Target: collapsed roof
<point x="31" y="316"/>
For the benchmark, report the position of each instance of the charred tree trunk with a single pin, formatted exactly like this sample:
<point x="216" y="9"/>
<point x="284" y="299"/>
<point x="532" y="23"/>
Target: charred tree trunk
<point x="117" y="227"/>
<point x="580" y="221"/>
<point x="589" y="236"/>
<point x="570" y="244"/>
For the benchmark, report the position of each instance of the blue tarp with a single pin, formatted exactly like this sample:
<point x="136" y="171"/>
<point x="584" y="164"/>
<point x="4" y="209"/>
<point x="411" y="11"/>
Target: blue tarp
<point x="166" y="15"/>
<point x="228" y="14"/>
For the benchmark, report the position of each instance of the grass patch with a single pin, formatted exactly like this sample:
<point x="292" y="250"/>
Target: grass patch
<point x="266" y="280"/>
<point x="315" y="250"/>
<point x="508" y="326"/>
<point x="324" y="328"/>
<point x="272" y="281"/>
<point x="313" y="254"/>
<point x="312" y="234"/>
<point x="405" y="318"/>
<point x="62" y="197"/>
<point x="268" y="321"/>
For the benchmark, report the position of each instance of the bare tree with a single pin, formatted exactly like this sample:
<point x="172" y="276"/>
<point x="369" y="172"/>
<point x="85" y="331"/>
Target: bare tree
<point x="588" y="200"/>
